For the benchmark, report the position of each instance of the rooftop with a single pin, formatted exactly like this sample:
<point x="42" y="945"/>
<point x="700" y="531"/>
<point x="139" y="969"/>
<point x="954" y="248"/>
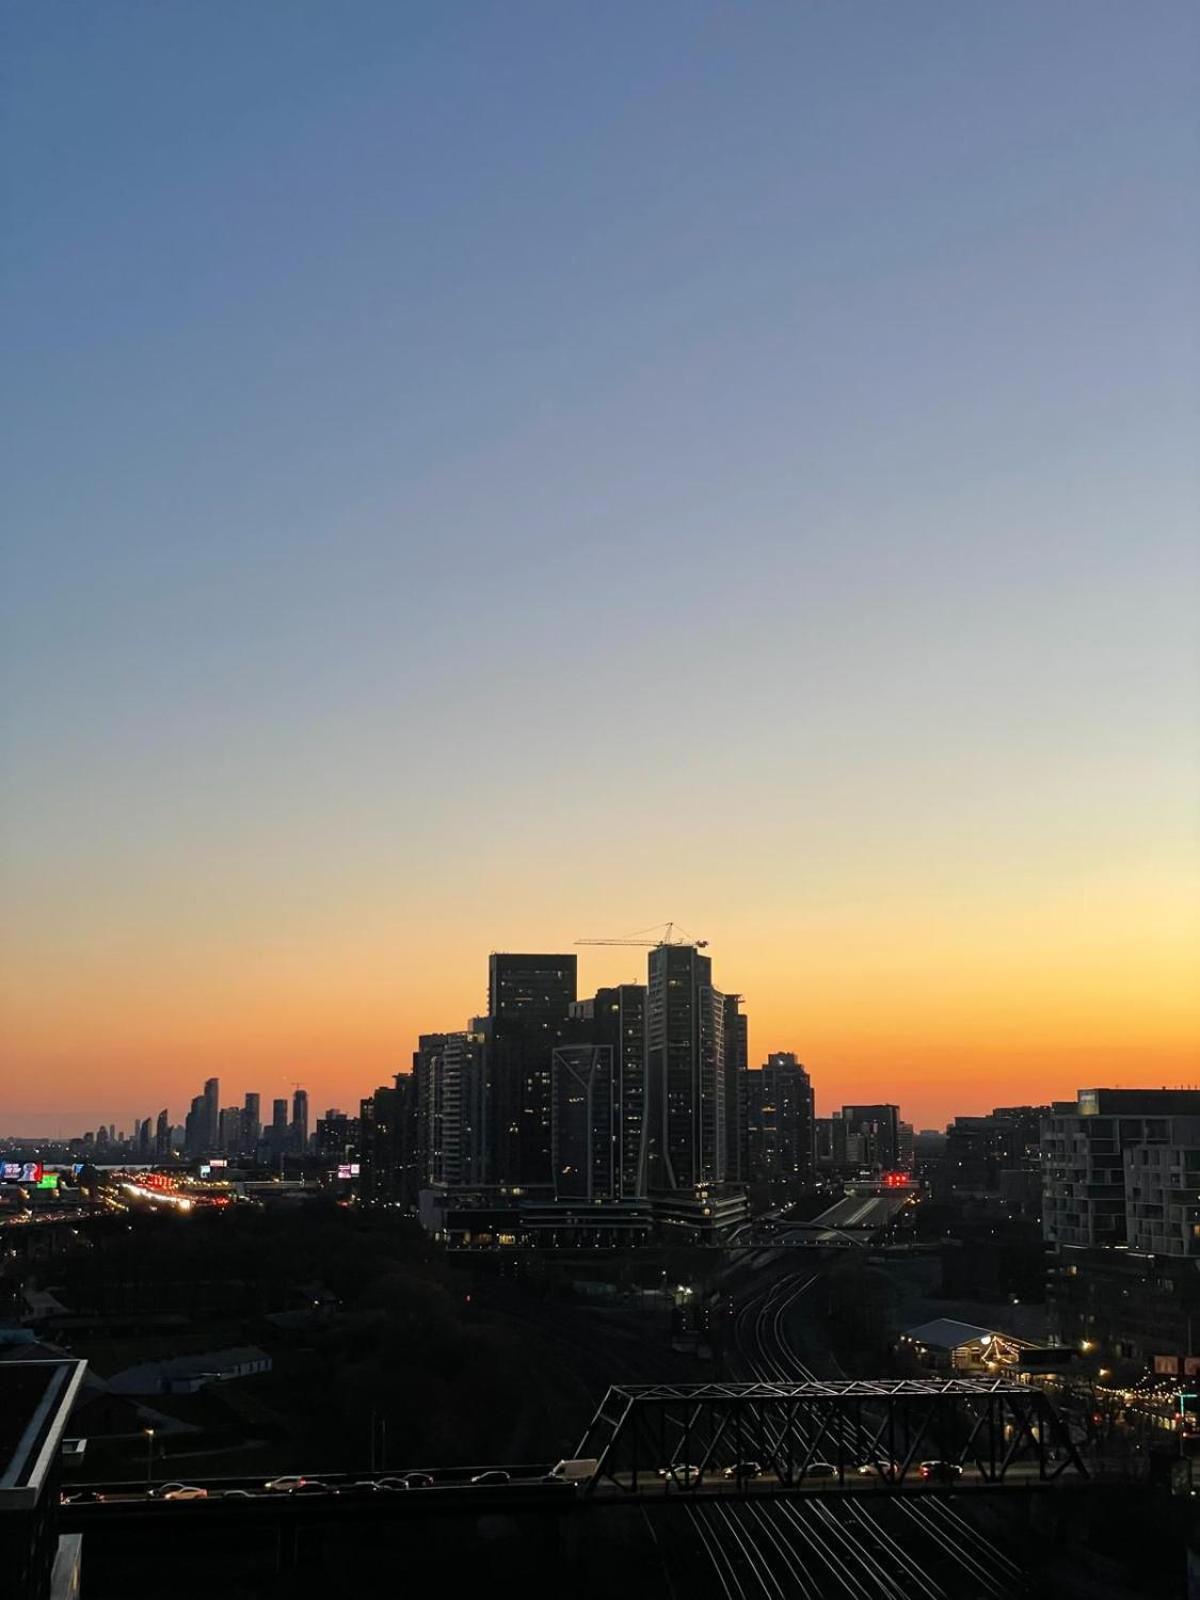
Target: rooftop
<point x="944" y="1333"/>
<point x="35" y="1401"/>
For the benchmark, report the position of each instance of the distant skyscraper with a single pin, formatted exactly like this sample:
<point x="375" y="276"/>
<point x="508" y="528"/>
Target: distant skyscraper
<point x="229" y="1130"/>
<point x="300" y="1120"/>
<point x="212" y="1113"/>
<point x="193" y="1128"/>
<point x="279" y="1120"/>
<point x="251" y="1123"/>
<point x="685" y="1070"/>
<point x="162" y="1137"/>
<point x="877" y="1128"/>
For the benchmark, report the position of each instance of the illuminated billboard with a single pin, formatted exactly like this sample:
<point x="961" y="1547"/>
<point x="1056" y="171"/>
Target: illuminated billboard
<point x="349" y="1169"/>
<point x="21" y="1172"/>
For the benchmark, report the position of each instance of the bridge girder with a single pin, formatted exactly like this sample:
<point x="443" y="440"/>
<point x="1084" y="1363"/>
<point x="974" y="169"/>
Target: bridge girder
<point x="991" y="1426"/>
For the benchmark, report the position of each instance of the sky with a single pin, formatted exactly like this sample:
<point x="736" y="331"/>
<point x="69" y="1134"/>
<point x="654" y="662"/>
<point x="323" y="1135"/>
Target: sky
<point x="482" y="476"/>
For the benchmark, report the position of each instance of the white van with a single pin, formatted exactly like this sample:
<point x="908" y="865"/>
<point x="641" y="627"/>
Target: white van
<point x="576" y="1471"/>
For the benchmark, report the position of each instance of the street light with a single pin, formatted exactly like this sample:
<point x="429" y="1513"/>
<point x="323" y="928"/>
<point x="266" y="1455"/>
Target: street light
<point x="149" y="1432"/>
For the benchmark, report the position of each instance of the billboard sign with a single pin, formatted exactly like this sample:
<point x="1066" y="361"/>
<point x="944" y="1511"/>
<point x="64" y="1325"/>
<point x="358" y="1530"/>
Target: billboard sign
<point x="21" y="1172"/>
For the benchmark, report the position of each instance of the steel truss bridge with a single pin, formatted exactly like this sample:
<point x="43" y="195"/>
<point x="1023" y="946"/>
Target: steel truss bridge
<point x="689" y="1438"/>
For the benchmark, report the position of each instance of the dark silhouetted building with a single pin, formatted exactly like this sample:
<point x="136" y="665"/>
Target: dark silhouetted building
<point x="780" y="1099"/>
<point x="996" y="1159"/>
<point x="212" y="1114"/>
<point x="871" y="1137"/>
<point x="251" y="1124"/>
<point x="685" y="1071"/>
<point x="538" y="989"/>
<point x="615" y="1018"/>
<point x="585" y="1134"/>
<point x="529" y="997"/>
<point x="337" y="1137"/>
<point x="387" y="1145"/>
<point x="299" y="1131"/>
<point x="737" y="1111"/>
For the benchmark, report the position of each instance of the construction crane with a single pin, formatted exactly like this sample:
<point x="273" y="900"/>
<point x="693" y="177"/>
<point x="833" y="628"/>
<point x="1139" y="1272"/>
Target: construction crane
<point x="668" y="931"/>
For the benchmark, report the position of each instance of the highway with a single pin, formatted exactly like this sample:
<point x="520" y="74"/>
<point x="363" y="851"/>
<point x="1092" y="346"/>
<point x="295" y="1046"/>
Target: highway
<point x="815" y="1545"/>
<point x="855" y="1219"/>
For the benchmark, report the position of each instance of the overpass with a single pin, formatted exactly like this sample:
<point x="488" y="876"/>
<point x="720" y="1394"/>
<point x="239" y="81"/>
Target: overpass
<point x="846" y="1436"/>
<point x="656" y="1442"/>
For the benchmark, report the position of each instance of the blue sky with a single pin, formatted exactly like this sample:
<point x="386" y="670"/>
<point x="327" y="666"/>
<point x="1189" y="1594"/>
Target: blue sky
<point x="459" y="445"/>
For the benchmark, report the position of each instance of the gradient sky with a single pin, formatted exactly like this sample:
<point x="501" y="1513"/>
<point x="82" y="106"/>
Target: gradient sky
<point x="481" y="475"/>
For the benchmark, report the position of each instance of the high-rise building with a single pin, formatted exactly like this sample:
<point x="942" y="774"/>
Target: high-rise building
<point x="453" y="1079"/>
<point x="685" y="1070"/>
<point x="212" y="1113"/>
<point x="737" y="1063"/>
<point x="299" y="1139"/>
<point x="530" y="997"/>
<point x="387" y="1148"/>
<point x="162" y="1137"/>
<point x="585" y="1132"/>
<point x="781" y="1121"/>
<point x="229" y="1130"/>
<point x="537" y="989"/>
<point x="872" y="1135"/>
<point x="904" y="1147"/>
<point x="1104" y="1157"/>
<point x="251" y="1124"/>
<point x="429" y="1047"/>
<point x="616" y="1018"/>
<point x="996" y="1158"/>
<point x="1121" y="1215"/>
<point x="194" y="1128"/>
<point x="144" y="1146"/>
<point x="337" y="1137"/>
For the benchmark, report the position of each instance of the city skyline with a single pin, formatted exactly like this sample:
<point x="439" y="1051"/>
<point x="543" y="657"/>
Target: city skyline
<point x="930" y="1099"/>
<point x="485" y="479"/>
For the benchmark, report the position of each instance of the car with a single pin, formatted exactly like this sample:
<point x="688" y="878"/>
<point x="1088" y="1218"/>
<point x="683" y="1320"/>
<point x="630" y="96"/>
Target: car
<point x="679" y="1473"/>
<point x="940" y="1471"/>
<point x="391" y="1485"/>
<point x="417" y="1480"/>
<point x="878" y="1469"/>
<point x="493" y="1475"/>
<point x="744" y="1469"/>
<point x="184" y="1491"/>
<point x="313" y="1486"/>
<point x="820" y="1469"/>
<point x="283" y="1485"/>
<point x="237" y="1494"/>
<point x="362" y="1490"/>
<point x="80" y="1497"/>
